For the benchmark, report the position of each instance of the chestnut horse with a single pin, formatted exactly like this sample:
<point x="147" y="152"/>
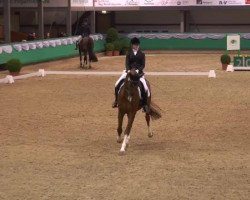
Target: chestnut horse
<point x="129" y="102"/>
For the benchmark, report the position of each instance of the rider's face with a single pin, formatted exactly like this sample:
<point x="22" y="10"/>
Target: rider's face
<point x="135" y="47"/>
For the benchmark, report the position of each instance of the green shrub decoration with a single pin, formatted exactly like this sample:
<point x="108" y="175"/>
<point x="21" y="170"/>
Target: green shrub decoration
<point x="117" y="45"/>
<point x="109" y="47"/>
<point x="14" y="65"/>
<point x="225" y="59"/>
<point x="112" y="35"/>
<point x="125" y="44"/>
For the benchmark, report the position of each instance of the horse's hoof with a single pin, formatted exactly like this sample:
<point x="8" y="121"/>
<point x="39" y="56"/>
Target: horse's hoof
<point x="122" y="153"/>
<point x="150" y="135"/>
<point x="119" y="140"/>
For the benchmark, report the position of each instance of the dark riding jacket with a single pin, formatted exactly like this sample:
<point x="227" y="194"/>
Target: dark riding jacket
<point x="84" y="31"/>
<point x="135" y="61"/>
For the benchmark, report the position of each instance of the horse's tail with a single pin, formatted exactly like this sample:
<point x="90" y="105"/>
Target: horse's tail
<point x="93" y="57"/>
<point x="154" y="111"/>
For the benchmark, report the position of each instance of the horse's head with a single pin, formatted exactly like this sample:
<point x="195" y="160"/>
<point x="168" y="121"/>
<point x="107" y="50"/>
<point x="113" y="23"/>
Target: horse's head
<point x="131" y="84"/>
<point x="133" y="78"/>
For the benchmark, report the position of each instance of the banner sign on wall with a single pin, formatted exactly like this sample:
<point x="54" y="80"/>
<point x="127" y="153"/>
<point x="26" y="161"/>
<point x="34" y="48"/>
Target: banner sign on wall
<point x="50" y="3"/>
<point x="133" y="2"/>
<point x="126" y="3"/>
<point x="220" y="2"/>
<point x="120" y="3"/>
<point x="82" y="3"/>
<point x="33" y="3"/>
<point x="108" y="3"/>
<point x="167" y="2"/>
<point x="116" y="3"/>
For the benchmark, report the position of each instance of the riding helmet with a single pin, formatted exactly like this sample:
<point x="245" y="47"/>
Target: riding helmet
<point x="135" y="41"/>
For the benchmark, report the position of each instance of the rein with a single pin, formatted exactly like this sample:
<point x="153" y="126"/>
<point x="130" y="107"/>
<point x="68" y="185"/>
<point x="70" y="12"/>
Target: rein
<point x="135" y="83"/>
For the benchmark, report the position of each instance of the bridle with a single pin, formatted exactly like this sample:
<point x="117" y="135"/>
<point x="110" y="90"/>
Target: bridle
<point x="135" y="83"/>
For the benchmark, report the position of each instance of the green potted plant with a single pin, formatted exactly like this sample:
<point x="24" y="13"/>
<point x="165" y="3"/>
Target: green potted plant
<point x="14" y="66"/>
<point x="125" y="49"/>
<point x="112" y="35"/>
<point x="109" y="49"/>
<point x="117" y="47"/>
<point x="125" y="46"/>
<point x="225" y="61"/>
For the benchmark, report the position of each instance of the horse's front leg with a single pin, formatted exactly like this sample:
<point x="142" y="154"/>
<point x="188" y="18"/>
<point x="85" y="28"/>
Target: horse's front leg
<point x="125" y="142"/>
<point x="150" y="133"/>
<point x="119" y="129"/>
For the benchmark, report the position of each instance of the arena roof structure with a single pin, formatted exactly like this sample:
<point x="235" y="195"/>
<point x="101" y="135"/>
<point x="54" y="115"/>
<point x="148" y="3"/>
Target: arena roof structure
<point x="109" y="5"/>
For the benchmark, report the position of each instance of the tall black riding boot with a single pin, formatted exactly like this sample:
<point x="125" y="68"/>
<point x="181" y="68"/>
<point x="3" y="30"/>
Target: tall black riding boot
<point x="77" y="43"/>
<point x="144" y="100"/>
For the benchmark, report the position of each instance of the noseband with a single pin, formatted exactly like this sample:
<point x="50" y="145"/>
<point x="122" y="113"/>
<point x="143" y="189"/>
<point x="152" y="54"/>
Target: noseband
<point x="135" y="83"/>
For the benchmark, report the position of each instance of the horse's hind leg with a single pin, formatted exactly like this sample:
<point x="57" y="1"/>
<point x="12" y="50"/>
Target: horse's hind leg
<point x="85" y="58"/>
<point x="80" y="54"/>
<point x="150" y="133"/>
<point x="119" y="129"/>
<point x="90" y="58"/>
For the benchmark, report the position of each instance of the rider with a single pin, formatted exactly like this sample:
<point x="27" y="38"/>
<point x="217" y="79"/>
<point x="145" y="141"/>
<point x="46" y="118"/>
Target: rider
<point x="84" y="31"/>
<point x="135" y="59"/>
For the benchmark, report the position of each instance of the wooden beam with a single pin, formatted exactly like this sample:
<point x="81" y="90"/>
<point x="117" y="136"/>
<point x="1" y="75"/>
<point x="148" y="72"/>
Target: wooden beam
<point x="69" y="19"/>
<point x="40" y="19"/>
<point x="7" y="19"/>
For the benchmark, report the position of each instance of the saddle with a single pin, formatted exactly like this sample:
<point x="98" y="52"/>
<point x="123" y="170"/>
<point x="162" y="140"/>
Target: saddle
<point x="85" y="40"/>
<point x="142" y="93"/>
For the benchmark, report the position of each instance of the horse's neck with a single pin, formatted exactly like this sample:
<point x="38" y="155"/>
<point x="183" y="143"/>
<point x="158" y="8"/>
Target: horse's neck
<point x="132" y="89"/>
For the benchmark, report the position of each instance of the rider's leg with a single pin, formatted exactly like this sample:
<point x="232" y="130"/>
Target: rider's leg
<point x="143" y="81"/>
<point x="78" y="41"/>
<point x="145" y="94"/>
<point x="118" y="85"/>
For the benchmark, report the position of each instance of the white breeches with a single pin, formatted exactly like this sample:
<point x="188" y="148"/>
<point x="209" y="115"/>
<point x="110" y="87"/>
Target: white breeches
<point x="123" y="76"/>
<point x="79" y="38"/>
<point x="142" y="80"/>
